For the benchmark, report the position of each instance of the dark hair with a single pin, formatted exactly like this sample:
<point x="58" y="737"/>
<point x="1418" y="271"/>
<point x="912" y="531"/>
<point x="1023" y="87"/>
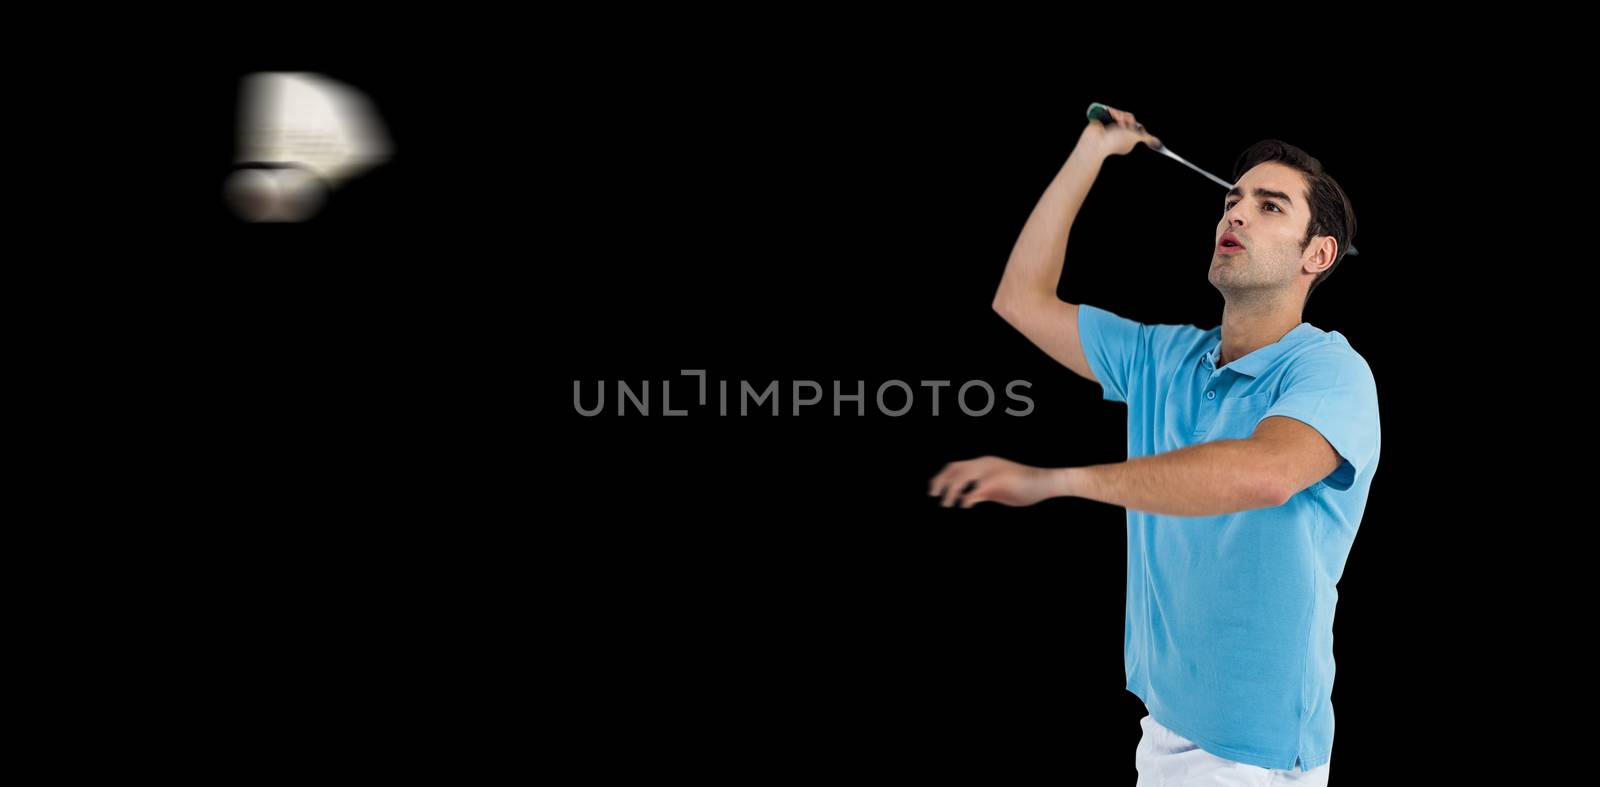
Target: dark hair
<point x="1331" y="213"/>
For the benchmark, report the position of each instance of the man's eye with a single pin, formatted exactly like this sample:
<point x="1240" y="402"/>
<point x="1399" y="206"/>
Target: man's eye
<point x="1274" y="207"/>
<point x="1226" y="206"/>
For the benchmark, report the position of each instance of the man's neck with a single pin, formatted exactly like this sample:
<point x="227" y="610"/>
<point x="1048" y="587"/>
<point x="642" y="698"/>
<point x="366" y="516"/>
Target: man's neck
<point x="1247" y="328"/>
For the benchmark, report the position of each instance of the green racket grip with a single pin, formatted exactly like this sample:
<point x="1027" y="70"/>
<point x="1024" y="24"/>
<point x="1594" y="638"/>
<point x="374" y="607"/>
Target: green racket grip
<point x="1102" y="113"/>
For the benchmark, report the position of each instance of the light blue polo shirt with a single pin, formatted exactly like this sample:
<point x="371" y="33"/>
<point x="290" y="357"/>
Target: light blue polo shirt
<point x="1229" y="635"/>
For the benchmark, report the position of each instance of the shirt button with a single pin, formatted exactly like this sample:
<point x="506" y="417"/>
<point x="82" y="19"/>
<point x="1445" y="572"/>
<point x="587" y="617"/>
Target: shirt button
<point x="1211" y="394"/>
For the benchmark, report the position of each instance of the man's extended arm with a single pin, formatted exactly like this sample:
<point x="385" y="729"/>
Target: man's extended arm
<point x="1282" y="457"/>
<point x="1212" y="478"/>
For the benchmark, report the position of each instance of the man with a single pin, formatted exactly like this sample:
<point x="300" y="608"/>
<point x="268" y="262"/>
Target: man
<point x="1251" y="449"/>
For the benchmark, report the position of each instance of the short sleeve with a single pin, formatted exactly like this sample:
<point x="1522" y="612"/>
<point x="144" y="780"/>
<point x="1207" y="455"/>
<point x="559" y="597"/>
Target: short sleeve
<point x="1111" y="344"/>
<point x="1333" y="391"/>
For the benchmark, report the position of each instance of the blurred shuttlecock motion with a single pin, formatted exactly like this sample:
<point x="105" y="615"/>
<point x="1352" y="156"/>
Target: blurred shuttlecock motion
<point x="301" y="136"/>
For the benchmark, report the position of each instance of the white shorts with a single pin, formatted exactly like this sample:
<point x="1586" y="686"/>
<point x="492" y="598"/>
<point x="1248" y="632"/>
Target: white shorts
<point x="1167" y="759"/>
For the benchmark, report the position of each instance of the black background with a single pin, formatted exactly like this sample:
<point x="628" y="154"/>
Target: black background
<point x="431" y="556"/>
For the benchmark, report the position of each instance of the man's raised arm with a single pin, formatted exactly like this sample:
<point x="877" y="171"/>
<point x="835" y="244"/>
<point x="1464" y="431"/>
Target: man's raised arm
<point x="1027" y="294"/>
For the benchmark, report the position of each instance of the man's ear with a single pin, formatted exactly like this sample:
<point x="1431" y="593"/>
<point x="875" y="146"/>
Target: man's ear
<point x="1320" y="254"/>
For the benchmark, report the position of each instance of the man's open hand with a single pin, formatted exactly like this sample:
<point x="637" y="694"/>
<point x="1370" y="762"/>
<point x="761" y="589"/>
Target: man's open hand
<point x="996" y="479"/>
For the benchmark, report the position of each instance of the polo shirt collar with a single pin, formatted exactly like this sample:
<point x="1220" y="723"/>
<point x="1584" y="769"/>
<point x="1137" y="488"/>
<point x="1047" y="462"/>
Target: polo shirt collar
<point x="1257" y="362"/>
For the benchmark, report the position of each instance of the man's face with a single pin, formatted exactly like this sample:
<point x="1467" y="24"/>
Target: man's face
<point x="1266" y="214"/>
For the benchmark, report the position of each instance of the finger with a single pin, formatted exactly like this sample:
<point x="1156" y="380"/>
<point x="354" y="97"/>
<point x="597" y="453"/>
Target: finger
<point x="1133" y="122"/>
<point x="978" y="494"/>
<point x="952" y="494"/>
<point x="952" y="491"/>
